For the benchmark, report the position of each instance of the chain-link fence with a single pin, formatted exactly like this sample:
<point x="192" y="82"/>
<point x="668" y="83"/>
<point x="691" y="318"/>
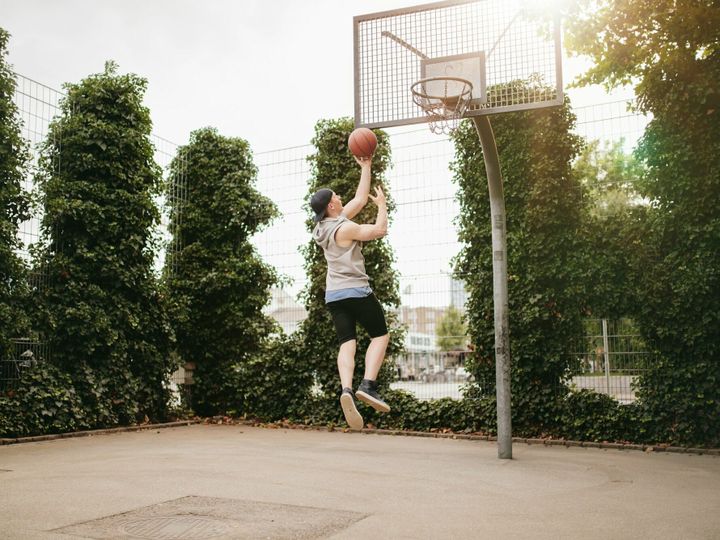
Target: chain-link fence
<point x="423" y="235"/>
<point x="424" y="238"/>
<point x="610" y="358"/>
<point x="38" y="105"/>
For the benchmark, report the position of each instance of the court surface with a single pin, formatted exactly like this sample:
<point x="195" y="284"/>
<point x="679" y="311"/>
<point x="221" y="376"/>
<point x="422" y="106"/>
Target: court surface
<point x="232" y="481"/>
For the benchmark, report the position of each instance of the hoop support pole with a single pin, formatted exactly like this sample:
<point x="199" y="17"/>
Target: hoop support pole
<point x="500" y="289"/>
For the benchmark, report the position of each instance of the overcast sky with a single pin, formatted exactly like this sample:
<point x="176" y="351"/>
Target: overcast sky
<point x="263" y="70"/>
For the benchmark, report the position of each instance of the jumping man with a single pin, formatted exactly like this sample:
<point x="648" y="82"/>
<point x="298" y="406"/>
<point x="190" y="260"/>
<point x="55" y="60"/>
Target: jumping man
<point x="347" y="290"/>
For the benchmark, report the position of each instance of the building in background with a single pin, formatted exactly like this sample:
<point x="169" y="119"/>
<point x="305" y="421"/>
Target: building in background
<point x="285" y="310"/>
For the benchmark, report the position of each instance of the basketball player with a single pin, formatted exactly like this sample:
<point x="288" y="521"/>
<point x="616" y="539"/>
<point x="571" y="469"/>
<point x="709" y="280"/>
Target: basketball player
<point x="347" y="290"/>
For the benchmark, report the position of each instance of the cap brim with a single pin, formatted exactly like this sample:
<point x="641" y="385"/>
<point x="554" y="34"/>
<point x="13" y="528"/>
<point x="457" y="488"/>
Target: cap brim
<point x="318" y="217"/>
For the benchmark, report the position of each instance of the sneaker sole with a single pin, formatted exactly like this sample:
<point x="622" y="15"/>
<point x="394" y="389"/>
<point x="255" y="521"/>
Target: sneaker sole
<point x="352" y="416"/>
<point x="376" y="404"/>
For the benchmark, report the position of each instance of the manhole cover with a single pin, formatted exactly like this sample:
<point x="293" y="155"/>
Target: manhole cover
<point x="198" y="518"/>
<point x="175" y="527"/>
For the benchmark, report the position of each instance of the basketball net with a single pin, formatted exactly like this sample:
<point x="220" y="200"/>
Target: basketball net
<point x="443" y="100"/>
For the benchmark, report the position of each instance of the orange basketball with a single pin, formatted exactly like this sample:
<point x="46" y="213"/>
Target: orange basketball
<point x="362" y="142"/>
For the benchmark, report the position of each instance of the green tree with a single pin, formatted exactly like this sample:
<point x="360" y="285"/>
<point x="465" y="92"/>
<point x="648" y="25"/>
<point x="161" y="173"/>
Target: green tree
<point x="334" y="167"/>
<point x="609" y="176"/>
<point x="14" y="209"/>
<point x="615" y="213"/>
<point x="217" y="283"/>
<point x="669" y="51"/>
<point x="666" y="49"/>
<point x="99" y="308"/>
<point x="544" y="206"/>
<point x="451" y="331"/>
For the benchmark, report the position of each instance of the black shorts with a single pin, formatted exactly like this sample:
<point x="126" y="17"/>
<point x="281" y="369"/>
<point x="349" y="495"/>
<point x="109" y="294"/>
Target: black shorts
<point x="367" y="311"/>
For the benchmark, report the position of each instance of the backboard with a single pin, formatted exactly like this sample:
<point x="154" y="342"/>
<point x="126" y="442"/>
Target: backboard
<point x="511" y="58"/>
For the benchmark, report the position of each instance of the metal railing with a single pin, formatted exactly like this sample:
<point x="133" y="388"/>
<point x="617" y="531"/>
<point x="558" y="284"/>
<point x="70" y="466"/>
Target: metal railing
<point x="610" y="358"/>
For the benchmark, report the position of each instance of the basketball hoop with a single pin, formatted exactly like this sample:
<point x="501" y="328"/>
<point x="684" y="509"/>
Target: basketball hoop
<point x="444" y="100"/>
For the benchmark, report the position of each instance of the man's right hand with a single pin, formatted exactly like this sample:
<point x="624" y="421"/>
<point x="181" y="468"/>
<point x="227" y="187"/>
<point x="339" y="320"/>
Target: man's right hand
<point x="364" y="161"/>
<point x="379" y="197"/>
<point x="358" y="202"/>
<point x="350" y="231"/>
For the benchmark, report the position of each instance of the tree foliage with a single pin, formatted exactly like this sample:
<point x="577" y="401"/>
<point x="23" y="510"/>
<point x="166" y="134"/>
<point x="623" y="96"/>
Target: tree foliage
<point x="544" y="203"/>
<point x="612" y="227"/>
<point x="99" y="309"/>
<point x="451" y="331"/>
<point x="609" y="176"/>
<point x="14" y="209"/>
<point x="217" y="283"/>
<point x="670" y="52"/>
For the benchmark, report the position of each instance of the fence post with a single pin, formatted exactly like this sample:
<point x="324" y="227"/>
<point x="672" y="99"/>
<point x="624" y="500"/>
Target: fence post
<point x="606" y="353"/>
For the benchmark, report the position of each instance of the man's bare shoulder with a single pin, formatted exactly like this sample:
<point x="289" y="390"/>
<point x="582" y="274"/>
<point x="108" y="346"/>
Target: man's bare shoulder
<point x="346" y="231"/>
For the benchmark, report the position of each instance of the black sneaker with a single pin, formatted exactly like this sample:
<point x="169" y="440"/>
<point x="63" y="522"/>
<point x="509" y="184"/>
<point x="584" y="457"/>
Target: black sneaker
<point x="352" y="416"/>
<point x="367" y="392"/>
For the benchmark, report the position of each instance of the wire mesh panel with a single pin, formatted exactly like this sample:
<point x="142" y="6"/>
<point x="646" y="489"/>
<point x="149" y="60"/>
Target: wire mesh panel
<point x="38" y="105"/>
<point x="521" y="66"/>
<point x="171" y="202"/>
<point x="422" y="235"/>
<point x="424" y="239"/>
<point x="283" y="176"/>
<point x="26" y="354"/>
<point x="610" y="358"/>
<point x="611" y="121"/>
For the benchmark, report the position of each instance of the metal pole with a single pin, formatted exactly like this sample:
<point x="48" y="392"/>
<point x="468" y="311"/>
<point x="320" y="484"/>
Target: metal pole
<point x="500" y="292"/>
<point x="606" y="353"/>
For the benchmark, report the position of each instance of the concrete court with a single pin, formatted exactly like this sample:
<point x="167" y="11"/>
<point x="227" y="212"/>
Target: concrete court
<point x="381" y="486"/>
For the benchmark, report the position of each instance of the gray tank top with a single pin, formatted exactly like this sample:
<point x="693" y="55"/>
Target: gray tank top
<point x="346" y="265"/>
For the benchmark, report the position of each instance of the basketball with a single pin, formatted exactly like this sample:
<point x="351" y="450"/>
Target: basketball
<point x="362" y="142"/>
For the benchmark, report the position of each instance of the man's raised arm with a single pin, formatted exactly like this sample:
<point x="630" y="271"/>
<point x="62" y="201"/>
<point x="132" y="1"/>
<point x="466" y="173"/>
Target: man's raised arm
<point x="350" y="230"/>
<point x="354" y="206"/>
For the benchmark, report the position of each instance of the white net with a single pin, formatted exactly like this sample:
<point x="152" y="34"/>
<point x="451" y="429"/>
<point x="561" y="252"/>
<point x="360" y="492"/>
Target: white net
<point x="444" y="101"/>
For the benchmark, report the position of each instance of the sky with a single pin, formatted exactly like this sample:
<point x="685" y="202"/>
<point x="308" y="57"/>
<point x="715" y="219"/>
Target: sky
<point x="263" y="70"/>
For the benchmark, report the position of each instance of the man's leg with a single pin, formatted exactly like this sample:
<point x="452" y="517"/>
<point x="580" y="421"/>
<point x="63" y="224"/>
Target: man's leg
<point x="344" y="322"/>
<point x="375" y="355"/>
<point x="346" y="367"/>
<point x="368" y="389"/>
<point x="371" y="316"/>
<point x="346" y="362"/>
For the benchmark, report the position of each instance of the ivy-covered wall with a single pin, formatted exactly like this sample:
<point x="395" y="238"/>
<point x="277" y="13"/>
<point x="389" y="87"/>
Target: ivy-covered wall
<point x="544" y="208"/>
<point x="673" y="65"/>
<point x="98" y="307"/>
<point x="217" y="283"/>
<point x="678" y="273"/>
<point x="14" y="209"/>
